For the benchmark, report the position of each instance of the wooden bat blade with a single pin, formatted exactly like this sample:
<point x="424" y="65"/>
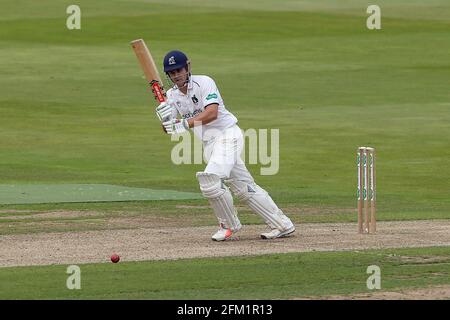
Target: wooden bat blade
<point x="149" y="67"/>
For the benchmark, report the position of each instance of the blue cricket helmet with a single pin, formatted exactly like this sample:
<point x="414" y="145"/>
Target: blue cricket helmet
<point x="175" y="60"/>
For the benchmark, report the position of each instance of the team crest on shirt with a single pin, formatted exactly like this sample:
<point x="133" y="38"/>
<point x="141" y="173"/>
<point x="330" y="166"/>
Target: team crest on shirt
<point x="195" y="99"/>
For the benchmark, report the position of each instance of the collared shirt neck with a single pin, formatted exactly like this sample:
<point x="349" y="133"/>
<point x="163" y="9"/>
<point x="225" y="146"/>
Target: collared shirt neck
<point x="189" y="87"/>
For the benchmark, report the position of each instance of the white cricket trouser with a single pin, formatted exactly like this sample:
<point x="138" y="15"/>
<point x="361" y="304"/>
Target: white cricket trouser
<point x="223" y="155"/>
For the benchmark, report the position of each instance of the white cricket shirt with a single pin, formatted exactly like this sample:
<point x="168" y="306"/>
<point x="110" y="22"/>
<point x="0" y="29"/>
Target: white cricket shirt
<point x="202" y="92"/>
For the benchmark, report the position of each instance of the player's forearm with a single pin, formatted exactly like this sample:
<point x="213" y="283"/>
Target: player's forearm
<point x="207" y="116"/>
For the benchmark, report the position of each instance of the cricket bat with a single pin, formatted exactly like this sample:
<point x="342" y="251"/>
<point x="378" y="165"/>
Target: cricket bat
<point x="148" y="66"/>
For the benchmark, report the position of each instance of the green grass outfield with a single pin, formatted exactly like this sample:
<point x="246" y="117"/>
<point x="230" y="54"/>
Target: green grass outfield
<point x="281" y="276"/>
<point x="74" y="107"/>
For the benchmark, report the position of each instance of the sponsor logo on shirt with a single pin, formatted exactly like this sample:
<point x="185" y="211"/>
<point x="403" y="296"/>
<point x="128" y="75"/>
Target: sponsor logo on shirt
<point x="191" y="114"/>
<point x="211" y="96"/>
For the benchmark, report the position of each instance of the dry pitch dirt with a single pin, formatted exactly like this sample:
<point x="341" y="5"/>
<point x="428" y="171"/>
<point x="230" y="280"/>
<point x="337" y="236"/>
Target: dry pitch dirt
<point x="429" y="293"/>
<point x="171" y="242"/>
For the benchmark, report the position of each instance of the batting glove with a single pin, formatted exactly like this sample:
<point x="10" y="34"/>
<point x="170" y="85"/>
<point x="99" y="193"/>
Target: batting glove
<point x="176" y="126"/>
<point x="164" y="111"/>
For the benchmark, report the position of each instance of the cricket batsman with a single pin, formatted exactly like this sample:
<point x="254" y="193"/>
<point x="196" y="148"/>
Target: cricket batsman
<point x="194" y="101"/>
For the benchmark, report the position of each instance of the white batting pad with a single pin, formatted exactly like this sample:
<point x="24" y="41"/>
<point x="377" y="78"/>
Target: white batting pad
<point x="220" y="198"/>
<point x="261" y="203"/>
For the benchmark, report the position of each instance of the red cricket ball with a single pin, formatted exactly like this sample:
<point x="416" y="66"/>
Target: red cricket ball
<point x="115" y="258"/>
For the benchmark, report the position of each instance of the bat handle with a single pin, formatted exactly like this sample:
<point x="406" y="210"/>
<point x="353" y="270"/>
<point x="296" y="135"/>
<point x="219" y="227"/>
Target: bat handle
<point x="158" y="91"/>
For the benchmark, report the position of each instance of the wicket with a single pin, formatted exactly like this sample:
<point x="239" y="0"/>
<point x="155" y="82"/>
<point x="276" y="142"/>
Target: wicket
<point x="365" y="159"/>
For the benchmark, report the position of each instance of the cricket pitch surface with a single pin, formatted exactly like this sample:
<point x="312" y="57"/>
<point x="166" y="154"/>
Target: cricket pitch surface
<point x="167" y="243"/>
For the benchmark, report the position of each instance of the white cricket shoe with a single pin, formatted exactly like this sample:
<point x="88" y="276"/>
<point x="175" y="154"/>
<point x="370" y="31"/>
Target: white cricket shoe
<point x="223" y="233"/>
<point x="275" y="233"/>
